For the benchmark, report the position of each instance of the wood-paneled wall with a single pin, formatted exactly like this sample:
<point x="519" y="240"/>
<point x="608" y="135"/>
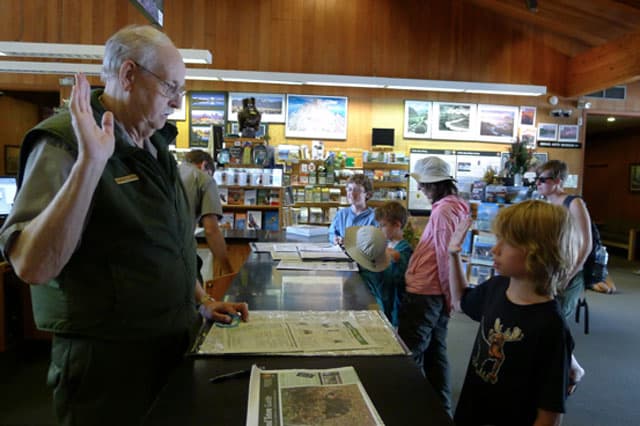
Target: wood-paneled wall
<point x="452" y="40"/>
<point x="448" y="40"/>
<point x="16" y="117"/>
<point x="607" y="179"/>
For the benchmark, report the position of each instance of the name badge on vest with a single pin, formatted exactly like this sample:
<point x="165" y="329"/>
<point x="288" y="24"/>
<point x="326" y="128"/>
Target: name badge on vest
<point x="126" y="179"/>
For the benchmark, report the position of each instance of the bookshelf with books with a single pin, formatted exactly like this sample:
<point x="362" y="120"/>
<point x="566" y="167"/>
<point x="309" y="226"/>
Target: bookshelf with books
<point x="247" y="206"/>
<point x="246" y="152"/>
<point x="318" y="190"/>
<point x="389" y="181"/>
<point x="247" y="185"/>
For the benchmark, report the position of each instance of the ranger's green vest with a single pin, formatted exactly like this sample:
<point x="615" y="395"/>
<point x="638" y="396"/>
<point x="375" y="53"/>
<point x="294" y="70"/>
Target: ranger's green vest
<point x="133" y="273"/>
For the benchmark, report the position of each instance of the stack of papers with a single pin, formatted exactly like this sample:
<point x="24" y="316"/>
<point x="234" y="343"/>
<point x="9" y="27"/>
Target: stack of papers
<point x="308" y="230"/>
<point x="318" y="265"/>
<point x="323" y="253"/>
<point x="302" y="251"/>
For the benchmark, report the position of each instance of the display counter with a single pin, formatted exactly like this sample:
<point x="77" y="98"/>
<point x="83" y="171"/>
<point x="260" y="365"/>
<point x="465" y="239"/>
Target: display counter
<point x="394" y="383"/>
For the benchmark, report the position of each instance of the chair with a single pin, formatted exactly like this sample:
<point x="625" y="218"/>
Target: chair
<point x="218" y="286"/>
<point x="582" y="303"/>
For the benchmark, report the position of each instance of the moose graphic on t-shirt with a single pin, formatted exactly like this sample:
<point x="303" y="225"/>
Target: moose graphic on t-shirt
<point x="487" y="363"/>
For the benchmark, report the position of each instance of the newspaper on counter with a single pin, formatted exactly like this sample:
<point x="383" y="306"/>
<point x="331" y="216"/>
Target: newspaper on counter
<point x="317" y="265"/>
<point x="302" y="251"/>
<point x="333" y="397"/>
<point x="268" y="247"/>
<point x="318" y="333"/>
<point x="285" y="255"/>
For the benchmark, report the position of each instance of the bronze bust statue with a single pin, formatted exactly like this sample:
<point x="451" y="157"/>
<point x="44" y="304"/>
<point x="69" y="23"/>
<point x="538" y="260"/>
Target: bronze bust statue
<point x="249" y="118"/>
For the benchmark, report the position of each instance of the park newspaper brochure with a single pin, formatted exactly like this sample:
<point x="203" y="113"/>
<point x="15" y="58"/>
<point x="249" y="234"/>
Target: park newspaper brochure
<point x="312" y="333"/>
<point x="316" y="256"/>
<point x="309" y="397"/>
<point x="318" y="265"/>
<point x="308" y="230"/>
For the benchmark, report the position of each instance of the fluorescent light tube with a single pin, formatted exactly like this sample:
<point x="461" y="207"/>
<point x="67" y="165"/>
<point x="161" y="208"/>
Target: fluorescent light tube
<point x="424" y="88"/>
<point x="93" y="52"/>
<point x="345" y="84"/>
<point x="257" y="80"/>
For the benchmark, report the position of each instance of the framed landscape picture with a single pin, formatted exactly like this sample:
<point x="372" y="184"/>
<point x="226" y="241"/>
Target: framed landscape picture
<point x="417" y="119"/>
<point x="547" y="131"/>
<point x="527" y="115"/>
<point x="497" y="123"/>
<point x="270" y="105"/>
<point x="316" y="117"/>
<point x="179" y="114"/>
<point x="568" y="133"/>
<point x="528" y="135"/>
<point x="454" y="120"/>
<point x="206" y="109"/>
<point x="200" y="136"/>
<point x="201" y="117"/>
<point x="207" y="100"/>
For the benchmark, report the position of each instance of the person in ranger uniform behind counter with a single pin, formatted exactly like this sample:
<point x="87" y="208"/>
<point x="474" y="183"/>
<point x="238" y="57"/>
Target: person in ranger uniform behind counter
<point x="101" y="229"/>
<point x="196" y="172"/>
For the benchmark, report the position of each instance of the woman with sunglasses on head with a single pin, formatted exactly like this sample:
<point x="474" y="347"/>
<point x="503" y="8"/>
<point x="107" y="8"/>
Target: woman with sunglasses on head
<point x="550" y="183"/>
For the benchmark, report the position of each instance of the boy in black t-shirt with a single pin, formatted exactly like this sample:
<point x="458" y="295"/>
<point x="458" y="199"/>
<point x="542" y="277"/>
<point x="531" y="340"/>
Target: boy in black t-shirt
<point x="518" y="373"/>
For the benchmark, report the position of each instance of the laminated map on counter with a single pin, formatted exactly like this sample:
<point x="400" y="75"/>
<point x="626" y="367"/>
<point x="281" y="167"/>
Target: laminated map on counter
<point x="326" y="333"/>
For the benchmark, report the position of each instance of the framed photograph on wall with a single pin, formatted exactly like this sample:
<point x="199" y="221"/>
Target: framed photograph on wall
<point x="270" y="105"/>
<point x="179" y="114"/>
<point x="497" y="123"/>
<point x="207" y="100"/>
<point x="417" y="119"/>
<point x="11" y="159"/>
<point x="200" y="135"/>
<point x="202" y="117"/>
<point x="206" y="109"/>
<point x="454" y="120"/>
<point x="547" y="131"/>
<point x="527" y="116"/>
<point x="316" y="117"/>
<point x="568" y="133"/>
<point x="527" y="135"/>
<point x="634" y="177"/>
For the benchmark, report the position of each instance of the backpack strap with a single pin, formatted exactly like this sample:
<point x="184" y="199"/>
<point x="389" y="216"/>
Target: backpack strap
<point x="567" y="201"/>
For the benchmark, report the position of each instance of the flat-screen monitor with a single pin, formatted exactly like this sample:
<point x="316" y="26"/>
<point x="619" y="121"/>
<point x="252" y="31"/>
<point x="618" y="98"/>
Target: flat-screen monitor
<point x="382" y="137"/>
<point x="8" y="188"/>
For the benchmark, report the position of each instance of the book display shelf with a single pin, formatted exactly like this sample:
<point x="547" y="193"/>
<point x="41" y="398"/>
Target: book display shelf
<point x="389" y="181"/>
<point x="318" y="190"/>
<point x="251" y="194"/>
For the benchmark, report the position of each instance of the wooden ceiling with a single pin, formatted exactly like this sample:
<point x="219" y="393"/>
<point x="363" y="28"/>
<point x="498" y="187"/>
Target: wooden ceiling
<point x="571" y="26"/>
<point x="600" y="37"/>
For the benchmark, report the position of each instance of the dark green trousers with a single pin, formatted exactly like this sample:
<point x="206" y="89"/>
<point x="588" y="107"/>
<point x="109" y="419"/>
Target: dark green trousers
<point x="98" y="382"/>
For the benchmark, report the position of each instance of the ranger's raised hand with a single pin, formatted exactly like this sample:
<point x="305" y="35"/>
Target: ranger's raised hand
<point x="95" y="143"/>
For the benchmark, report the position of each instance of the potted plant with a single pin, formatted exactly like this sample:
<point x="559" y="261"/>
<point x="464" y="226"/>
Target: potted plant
<point x="519" y="162"/>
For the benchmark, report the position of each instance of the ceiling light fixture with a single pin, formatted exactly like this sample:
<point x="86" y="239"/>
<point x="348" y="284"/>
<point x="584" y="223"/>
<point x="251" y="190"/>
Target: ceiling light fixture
<point x="423" y="88"/>
<point x="262" y="77"/>
<point x="611" y="119"/>
<point x="90" y="52"/>
<point x="25" y="67"/>
<point x="344" y="84"/>
<point x="259" y="81"/>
